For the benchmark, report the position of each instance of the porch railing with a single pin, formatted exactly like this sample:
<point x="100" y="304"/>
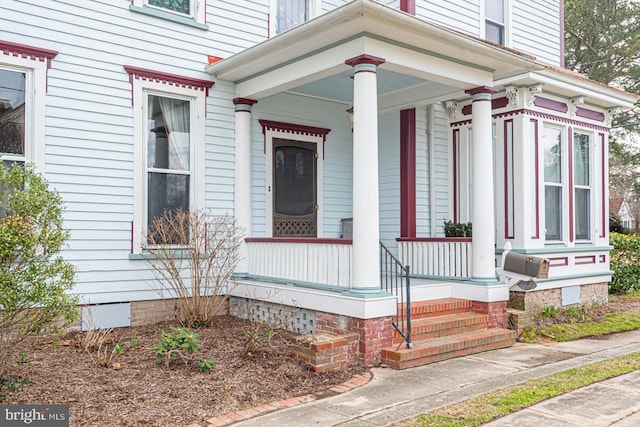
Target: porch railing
<point x="437" y="257"/>
<point x="395" y="278"/>
<point x="322" y="261"/>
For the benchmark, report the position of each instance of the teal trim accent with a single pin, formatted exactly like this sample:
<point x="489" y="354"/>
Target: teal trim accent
<point x="574" y="276"/>
<point x="365" y="67"/>
<point x="169" y="17"/>
<point x="372" y="36"/>
<point x="243" y="107"/>
<point x="559" y="250"/>
<point x="365" y="293"/>
<point x="481" y="97"/>
<point x="301" y="284"/>
<point x="447" y="278"/>
<point x="484" y="281"/>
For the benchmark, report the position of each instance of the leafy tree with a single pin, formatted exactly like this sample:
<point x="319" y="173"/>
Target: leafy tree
<point x="34" y="279"/>
<point x="602" y="41"/>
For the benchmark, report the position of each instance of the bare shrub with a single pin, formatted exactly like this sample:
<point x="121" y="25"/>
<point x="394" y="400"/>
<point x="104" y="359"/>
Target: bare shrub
<point x="193" y="256"/>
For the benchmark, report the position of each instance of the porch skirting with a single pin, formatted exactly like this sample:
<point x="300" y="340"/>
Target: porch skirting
<point x="372" y="334"/>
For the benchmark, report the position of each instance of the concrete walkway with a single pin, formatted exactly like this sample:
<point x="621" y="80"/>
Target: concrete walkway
<point x="392" y="396"/>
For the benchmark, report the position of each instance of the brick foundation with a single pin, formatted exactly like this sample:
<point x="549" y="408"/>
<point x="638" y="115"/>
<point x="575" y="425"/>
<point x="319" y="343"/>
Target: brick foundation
<point x="373" y="334"/>
<point x="327" y="352"/>
<point x="536" y="301"/>
<point x="518" y="319"/>
<point x="495" y="311"/>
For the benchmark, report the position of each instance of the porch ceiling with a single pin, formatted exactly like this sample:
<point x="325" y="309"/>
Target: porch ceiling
<point x="425" y="62"/>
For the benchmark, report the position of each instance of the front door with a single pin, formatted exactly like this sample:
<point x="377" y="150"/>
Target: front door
<point x="294" y="181"/>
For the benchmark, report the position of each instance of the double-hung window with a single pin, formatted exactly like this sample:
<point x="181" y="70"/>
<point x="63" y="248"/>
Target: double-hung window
<point x="190" y="12"/>
<point x="23" y="87"/>
<point x="169" y="152"/>
<point x="13" y="116"/>
<point x="582" y="185"/>
<point x="289" y="13"/>
<point x="495" y="21"/>
<point x="554" y="182"/>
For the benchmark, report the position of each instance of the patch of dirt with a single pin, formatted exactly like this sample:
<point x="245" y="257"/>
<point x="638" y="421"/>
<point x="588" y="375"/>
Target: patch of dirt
<point x="593" y="313"/>
<point x="135" y="390"/>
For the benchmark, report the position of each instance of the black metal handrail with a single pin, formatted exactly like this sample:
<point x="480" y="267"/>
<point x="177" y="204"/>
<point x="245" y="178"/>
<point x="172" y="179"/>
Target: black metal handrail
<point x="395" y="278"/>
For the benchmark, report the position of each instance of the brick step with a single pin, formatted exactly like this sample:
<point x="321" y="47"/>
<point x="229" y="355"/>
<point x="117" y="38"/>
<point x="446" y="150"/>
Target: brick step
<point x="437" y="349"/>
<point x="438" y="307"/>
<point x="440" y="326"/>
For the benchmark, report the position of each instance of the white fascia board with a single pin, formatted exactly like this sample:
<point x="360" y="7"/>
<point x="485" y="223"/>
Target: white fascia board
<point x="417" y="96"/>
<point x="482" y="292"/>
<point x="323" y="64"/>
<point x="596" y="93"/>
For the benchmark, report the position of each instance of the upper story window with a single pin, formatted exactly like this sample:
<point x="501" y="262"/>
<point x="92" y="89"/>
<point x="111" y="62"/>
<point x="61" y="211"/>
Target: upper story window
<point x="189" y="12"/>
<point x="183" y="7"/>
<point x="13" y="116"/>
<point x="494" y="12"/>
<point x="289" y="13"/>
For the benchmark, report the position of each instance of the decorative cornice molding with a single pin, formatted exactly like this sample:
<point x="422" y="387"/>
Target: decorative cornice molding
<point x="453" y="112"/>
<point x="167" y="78"/>
<point x="611" y="112"/>
<point x="533" y="91"/>
<point x="512" y="95"/>
<point x="28" y="52"/>
<point x="574" y="103"/>
<point x="547" y="116"/>
<point x="294" y="128"/>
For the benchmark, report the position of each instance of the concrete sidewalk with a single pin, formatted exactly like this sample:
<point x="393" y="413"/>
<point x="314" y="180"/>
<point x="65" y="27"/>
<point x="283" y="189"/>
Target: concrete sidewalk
<point x="392" y="396"/>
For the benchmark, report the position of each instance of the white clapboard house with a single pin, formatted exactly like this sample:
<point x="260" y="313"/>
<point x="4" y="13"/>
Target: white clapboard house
<point x="330" y="130"/>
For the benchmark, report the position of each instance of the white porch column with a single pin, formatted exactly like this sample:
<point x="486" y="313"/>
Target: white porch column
<point x="242" y="173"/>
<point x="366" y="222"/>
<point x="483" y="243"/>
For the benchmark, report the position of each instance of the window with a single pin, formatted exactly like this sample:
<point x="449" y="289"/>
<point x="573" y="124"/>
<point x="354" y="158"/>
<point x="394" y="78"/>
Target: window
<point x="553" y="182"/>
<point x="495" y="21"/>
<point x="582" y="185"/>
<point x="183" y="7"/>
<point x="169" y="113"/>
<point x="23" y="85"/>
<point x="188" y="12"/>
<point x="168" y="155"/>
<point x="13" y="116"/>
<point x="289" y="13"/>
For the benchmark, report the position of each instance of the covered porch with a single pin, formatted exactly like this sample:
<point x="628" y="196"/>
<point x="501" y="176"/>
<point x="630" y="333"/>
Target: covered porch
<point x="378" y="62"/>
<point x="293" y="100"/>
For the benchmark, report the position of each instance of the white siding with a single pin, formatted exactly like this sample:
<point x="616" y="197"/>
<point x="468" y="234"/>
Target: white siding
<point x="423" y="191"/>
<point x="89" y="125"/>
<point x="441" y="138"/>
<point x="389" y="178"/>
<point x="462" y="15"/>
<point x="535" y="28"/>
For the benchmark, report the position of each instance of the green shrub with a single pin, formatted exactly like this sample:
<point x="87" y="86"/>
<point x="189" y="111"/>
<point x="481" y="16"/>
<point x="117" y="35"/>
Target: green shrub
<point x="457" y="229"/>
<point x="34" y="279"/>
<point x="625" y="263"/>
<point x="179" y="342"/>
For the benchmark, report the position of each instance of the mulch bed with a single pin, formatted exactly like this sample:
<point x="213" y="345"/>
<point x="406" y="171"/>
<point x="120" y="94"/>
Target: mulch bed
<point x="135" y="390"/>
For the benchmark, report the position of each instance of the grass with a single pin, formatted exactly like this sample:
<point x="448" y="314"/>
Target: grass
<point x="488" y="407"/>
<point x="610" y="323"/>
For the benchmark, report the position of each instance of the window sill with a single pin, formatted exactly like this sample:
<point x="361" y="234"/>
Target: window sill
<point x="146" y="255"/>
<point x="169" y="17"/>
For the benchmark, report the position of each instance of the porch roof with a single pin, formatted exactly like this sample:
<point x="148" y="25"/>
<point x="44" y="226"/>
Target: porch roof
<point x="424" y="62"/>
